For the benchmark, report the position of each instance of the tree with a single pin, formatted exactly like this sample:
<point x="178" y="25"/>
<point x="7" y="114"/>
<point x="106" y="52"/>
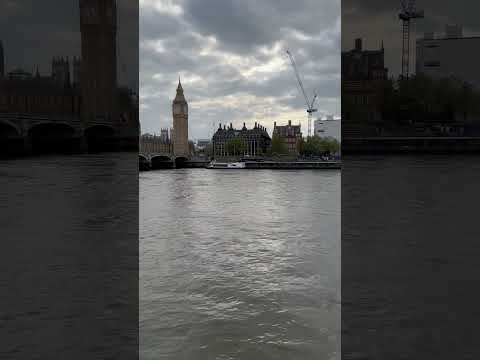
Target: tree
<point x="278" y="145"/>
<point x="236" y="146"/>
<point x="317" y="146"/>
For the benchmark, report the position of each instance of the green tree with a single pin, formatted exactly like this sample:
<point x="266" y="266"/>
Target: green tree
<point x="278" y="146"/>
<point x="317" y="146"/>
<point x="236" y="146"/>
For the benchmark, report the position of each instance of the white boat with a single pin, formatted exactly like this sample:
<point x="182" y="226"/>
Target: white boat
<point x="226" y="165"/>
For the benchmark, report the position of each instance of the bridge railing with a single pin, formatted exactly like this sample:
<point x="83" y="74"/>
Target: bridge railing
<point x="33" y="117"/>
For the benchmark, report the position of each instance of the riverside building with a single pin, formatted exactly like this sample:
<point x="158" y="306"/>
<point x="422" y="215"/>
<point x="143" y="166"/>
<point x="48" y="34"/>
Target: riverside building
<point x="256" y="140"/>
<point x="328" y="128"/>
<point x="290" y="134"/>
<point x="449" y="56"/>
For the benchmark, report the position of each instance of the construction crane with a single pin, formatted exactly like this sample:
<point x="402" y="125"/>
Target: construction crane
<point x="310" y="108"/>
<point x="408" y="13"/>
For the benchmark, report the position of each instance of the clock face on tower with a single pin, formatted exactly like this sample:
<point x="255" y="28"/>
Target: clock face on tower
<point x="185" y="108"/>
<point x="177" y="109"/>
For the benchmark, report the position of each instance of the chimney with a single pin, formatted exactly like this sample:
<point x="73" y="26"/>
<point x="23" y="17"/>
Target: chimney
<point x="358" y="44"/>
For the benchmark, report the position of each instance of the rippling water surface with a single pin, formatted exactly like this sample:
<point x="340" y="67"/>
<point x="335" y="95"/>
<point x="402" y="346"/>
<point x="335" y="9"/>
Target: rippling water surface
<point x="69" y="257"/>
<point x="410" y="257"/>
<point x="239" y="264"/>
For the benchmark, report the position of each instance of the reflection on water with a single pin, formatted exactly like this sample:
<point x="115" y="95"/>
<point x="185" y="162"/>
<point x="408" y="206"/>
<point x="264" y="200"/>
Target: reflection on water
<point x="239" y="264"/>
<point x="410" y="254"/>
<point x="69" y="257"/>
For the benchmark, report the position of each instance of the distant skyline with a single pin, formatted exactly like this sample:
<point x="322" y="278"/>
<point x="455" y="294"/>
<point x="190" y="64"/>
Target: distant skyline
<point x="377" y="20"/>
<point x="54" y="31"/>
<point x="231" y="58"/>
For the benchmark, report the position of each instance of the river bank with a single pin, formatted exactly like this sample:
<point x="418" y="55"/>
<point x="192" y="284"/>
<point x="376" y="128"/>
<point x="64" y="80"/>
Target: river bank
<point x="264" y="164"/>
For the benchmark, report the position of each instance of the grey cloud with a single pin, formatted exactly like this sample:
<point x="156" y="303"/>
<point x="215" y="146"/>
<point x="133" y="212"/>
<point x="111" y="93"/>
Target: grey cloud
<point x="33" y="32"/>
<point x="244" y="31"/>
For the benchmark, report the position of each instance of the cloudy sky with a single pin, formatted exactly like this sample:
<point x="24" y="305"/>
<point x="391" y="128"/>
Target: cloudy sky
<point x="377" y="20"/>
<point x="33" y="32"/>
<point x="232" y="61"/>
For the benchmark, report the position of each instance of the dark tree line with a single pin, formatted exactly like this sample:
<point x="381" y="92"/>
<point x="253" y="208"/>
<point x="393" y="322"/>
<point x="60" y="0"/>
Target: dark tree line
<point x="420" y="98"/>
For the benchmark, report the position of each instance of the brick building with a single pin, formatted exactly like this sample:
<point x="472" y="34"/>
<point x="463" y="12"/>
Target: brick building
<point x="291" y="135"/>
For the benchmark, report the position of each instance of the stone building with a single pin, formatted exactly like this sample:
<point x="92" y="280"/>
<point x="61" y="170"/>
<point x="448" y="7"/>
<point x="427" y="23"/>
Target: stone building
<point x="181" y="145"/>
<point x="256" y="140"/>
<point x="22" y="92"/>
<point x="158" y="144"/>
<point x="98" y="29"/>
<point x="290" y="134"/>
<point x="449" y="55"/>
<point x="84" y="89"/>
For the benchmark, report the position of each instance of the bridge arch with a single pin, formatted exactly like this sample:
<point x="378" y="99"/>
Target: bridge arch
<point x="100" y="138"/>
<point x="143" y="162"/>
<point x="161" y="162"/>
<point x="180" y="161"/>
<point x="11" y="142"/>
<point x="9" y="129"/>
<point x="52" y="137"/>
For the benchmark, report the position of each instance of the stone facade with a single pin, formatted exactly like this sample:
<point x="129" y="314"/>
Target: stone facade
<point x="20" y="92"/>
<point x="85" y="88"/>
<point x="256" y="141"/>
<point x="98" y="25"/>
<point x="156" y="144"/>
<point x="181" y="145"/>
<point x="80" y="100"/>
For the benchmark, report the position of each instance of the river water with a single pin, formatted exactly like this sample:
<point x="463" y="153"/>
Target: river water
<point x="239" y="264"/>
<point x="410" y="257"/>
<point x="69" y="257"/>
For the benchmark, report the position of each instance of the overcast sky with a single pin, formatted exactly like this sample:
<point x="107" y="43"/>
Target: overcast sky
<point x="34" y="31"/>
<point x="377" y="20"/>
<point x="232" y="61"/>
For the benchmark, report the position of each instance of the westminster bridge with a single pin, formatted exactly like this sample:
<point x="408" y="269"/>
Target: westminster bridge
<point x="26" y="133"/>
<point x="152" y="161"/>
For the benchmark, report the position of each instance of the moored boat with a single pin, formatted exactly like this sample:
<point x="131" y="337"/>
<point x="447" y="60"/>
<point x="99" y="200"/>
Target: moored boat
<point x="225" y="165"/>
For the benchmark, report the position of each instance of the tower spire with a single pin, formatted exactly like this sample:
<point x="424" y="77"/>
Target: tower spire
<point x="180" y="97"/>
<point x="179" y="87"/>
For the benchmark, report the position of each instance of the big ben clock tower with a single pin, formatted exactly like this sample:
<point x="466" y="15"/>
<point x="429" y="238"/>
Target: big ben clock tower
<point x="180" y="123"/>
<point x="98" y="26"/>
